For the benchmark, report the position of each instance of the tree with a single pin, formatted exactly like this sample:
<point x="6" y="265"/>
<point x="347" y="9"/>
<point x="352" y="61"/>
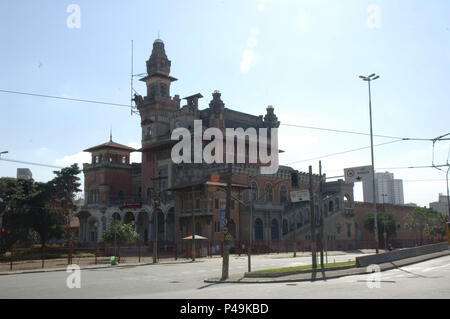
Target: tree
<point x="385" y="223"/>
<point x="14" y="218"/>
<point x="28" y="206"/>
<point x="53" y="202"/>
<point x="120" y="233"/>
<point x="417" y="221"/>
<point x="435" y="225"/>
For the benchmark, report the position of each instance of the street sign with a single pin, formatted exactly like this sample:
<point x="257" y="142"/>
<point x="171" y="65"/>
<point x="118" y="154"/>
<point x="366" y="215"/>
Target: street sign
<point x="358" y="174"/>
<point x="300" y="195"/>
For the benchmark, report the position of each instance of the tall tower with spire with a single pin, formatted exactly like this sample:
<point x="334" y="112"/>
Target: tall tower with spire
<point x="156" y="110"/>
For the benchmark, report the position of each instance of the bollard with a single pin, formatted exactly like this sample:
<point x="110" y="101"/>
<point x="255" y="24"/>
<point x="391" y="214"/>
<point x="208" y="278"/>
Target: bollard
<point x="118" y="253"/>
<point x="139" y="251"/>
<point x="175" y="250"/>
<point x="11" y="261"/>
<point x="43" y="255"/>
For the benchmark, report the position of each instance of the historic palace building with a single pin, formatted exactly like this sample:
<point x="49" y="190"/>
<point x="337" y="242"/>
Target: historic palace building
<point x="116" y="188"/>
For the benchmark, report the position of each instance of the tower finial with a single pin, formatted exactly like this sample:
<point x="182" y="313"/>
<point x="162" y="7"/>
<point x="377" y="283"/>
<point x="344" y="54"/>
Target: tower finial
<point x="110" y="134"/>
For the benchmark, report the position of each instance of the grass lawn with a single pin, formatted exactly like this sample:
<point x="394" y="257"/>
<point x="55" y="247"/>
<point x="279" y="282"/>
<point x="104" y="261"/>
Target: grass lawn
<point x="304" y="267"/>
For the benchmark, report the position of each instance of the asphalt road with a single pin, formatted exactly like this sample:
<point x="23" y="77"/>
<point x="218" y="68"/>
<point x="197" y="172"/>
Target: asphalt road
<point x="430" y="279"/>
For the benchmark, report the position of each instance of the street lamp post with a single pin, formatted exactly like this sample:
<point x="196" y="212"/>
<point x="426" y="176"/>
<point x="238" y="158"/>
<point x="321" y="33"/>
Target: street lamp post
<point x="156" y="203"/>
<point x="384" y="222"/>
<point x="249" y="248"/>
<point x="448" y="197"/>
<point x="368" y="79"/>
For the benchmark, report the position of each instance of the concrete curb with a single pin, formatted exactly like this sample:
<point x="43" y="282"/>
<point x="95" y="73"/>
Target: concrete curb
<point x="241" y="279"/>
<point x="288" y="273"/>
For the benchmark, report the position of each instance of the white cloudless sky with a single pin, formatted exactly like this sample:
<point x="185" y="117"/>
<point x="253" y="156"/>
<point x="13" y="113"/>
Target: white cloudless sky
<point x="302" y="57"/>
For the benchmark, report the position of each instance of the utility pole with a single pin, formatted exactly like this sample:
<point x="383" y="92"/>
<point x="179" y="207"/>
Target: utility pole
<point x="193" y="226"/>
<point x="249" y="248"/>
<point x="448" y="197"/>
<point x="313" y="222"/>
<point x="384" y="222"/>
<point x="295" y="237"/>
<point x="375" y="227"/>
<point x="321" y="216"/>
<point x="156" y="202"/>
<point x="226" y="243"/>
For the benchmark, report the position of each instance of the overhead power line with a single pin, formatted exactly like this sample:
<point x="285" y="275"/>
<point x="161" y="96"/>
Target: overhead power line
<point x="343" y="152"/>
<point x="285" y="124"/>
<point x="65" y="98"/>
<point x="29" y="163"/>
<point x="357" y="133"/>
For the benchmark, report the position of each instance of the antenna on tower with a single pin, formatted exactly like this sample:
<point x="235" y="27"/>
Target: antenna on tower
<point x="110" y="134"/>
<point x="131" y="76"/>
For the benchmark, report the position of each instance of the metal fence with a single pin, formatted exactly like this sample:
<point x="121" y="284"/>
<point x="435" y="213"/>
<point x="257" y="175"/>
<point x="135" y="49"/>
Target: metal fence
<point x="46" y="257"/>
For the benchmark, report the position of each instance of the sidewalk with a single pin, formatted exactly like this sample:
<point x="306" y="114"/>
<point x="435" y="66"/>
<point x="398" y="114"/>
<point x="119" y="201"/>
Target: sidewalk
<point x="328" y="273"/>
<point x="102" y="266"/>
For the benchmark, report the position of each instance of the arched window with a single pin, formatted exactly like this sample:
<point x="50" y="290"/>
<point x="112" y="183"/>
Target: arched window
<point x="336" y="204"/>
<point x="268" y="191"/>
<point x="149" y="193"/>
<point x="163" y="90"/>
<point x="259" y="233"/>
<point x="254" y="191"/>
<point x="283" y="194"/>
<point x="121" y="195"/>
<point x="274" y="230"/>
<point x="152" y="92"/>
<point x="330" y="206"/>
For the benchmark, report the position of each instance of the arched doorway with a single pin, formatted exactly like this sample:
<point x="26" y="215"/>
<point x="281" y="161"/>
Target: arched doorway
<point x="116" y="217"/>
<point x="129" y="218"/>
<point x="274" y="230"/>
<point x="259" y="233"/>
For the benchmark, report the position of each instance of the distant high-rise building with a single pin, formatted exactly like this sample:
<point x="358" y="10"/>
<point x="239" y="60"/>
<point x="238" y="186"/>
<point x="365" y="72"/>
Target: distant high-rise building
<point x="441" y="206"/>
<point x="24" y="173"/>
<point x="387" y="189"/>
